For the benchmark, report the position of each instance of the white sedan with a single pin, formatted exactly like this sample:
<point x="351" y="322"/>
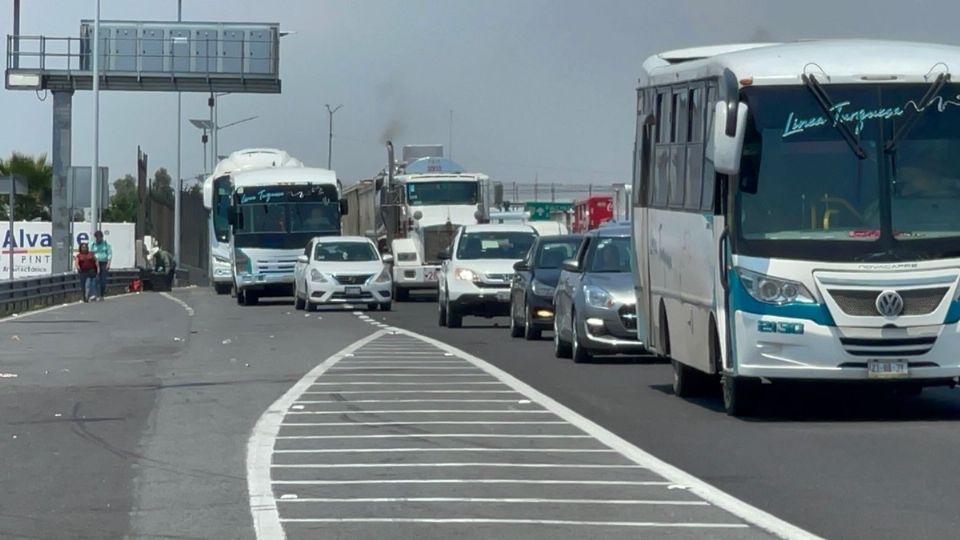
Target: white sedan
<point x="342" y="270"/>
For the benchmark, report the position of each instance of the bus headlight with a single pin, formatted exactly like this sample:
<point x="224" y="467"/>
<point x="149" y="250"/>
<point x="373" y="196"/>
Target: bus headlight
<point x="597" y="297"/>
<point x="241" y="262"/>
<point x="316" y="276"/>
<point x="771" y="290"/>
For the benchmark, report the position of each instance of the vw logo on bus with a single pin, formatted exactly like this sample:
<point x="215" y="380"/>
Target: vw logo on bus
<point x="889" y="303"/>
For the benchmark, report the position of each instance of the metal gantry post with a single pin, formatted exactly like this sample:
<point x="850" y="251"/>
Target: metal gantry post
<point x="95" y="170"/>
<point x="179" y="176"/>
<point x="59" y="203"/>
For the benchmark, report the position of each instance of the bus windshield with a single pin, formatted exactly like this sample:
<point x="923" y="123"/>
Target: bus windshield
<point x="816" y="200"/>
<point x="443" y="192"/>
<point x="285" y="217"/>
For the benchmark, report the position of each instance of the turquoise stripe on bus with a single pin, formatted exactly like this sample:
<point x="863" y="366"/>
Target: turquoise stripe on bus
<point x="953" y="316"/>
<point x="740" y="300"/>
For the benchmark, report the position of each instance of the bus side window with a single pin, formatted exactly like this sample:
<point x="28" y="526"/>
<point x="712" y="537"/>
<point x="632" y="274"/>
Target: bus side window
<point x="694" y="171"/>
<point x="678" y="149"/>
<point x="709" y="175"/>
<point x="658" y="193"/>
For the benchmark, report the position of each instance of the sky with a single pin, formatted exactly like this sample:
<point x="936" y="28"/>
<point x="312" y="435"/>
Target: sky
<point x="537" y="88"/>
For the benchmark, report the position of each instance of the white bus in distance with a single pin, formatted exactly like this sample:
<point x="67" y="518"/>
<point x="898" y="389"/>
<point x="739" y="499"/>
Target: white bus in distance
<point x="273" y="214"/>
<point x="217" y="189"/>
<point x="796" y="214"/>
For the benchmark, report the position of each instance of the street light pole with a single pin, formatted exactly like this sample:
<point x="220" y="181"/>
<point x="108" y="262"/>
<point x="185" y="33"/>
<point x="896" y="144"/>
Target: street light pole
<point x="95" y="171"/>
<point x="330" y="140"/>
<point x="177" y="212"/>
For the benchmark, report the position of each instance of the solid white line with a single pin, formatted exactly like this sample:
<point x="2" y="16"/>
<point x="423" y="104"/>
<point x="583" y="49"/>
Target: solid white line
<point x="415" y="375"/>
<point x="488" y="521"/>
<point x="374" y="383"/>
<point x="263" y="507"/>
<point x="451" y="465"/>
<point x="408" y="368"/>
<point x="183" y="304"/>
<point x="18" y="316"/>
<point x="414" y="392"/>
<point x="436" y="436"/>
<point x="428" y="423"/>
<point x="472" y="481"/>
<point x="493" y="500"/>
<point x="418" y="450"/>
<point x="353" y="362"/>
<point x="711" y="494"/>
<point x="428" y="411"/>
<point x="413" y="401"/>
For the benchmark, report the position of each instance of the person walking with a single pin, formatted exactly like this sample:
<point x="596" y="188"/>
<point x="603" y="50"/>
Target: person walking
<point x="86" y="265"/>
<point x="104" y="253"/>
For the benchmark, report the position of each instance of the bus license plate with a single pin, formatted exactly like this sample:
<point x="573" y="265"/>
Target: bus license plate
<point x="352" y="292"/>
<point x="887" y="369"/>
<point x="430" y="275"/>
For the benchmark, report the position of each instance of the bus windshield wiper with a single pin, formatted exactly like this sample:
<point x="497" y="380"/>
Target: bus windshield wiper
<point x="820" y="95"/>
<point x="920" y="107"/>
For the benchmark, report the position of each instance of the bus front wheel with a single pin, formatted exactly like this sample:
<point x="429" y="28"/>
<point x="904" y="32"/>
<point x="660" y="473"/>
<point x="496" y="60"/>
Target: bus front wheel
<point x="740" y="395"/>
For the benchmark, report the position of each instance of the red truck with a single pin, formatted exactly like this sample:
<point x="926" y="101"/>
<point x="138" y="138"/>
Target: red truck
<point x="589" y="213"/>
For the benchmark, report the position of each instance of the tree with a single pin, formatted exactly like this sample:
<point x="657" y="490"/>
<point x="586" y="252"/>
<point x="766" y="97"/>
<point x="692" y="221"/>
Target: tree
<point x="161" y="186"/>
<point x="39" y="176"/>
<point x="124" y="202"/>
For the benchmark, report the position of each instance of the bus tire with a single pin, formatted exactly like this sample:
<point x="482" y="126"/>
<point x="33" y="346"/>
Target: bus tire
<point x="222" y="288"/>
<point x="740" y="395"/>
<point x="401" y="294"/>
<point x="687" y="381"/>
<point x="238" y="294"/>
<point x="250" y="298"/>
<point x="664" y="345"/>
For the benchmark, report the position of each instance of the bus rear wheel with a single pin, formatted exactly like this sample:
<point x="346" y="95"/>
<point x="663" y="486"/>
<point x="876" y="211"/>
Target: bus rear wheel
<point x="740" y="395"/>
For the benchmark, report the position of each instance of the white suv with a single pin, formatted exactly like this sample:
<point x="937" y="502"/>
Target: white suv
<point x="478" y="269"/>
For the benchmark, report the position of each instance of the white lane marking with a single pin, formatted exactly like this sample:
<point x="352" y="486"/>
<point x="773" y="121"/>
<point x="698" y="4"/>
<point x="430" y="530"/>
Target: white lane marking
<point x="472" y="481"/>
<point x="430" y="411"/>
<point x="348" y="368"/>
<point x="329" y="392"/>
<point x="437" y="436"/>
<point x="388" y="363"/>
<point x="493" y="500"/>
<point x="263" y="506"/>
<point x="418" y="375"/>
<point x="711" y="494"/>
<point x="418" y="450"/>
<point x="428" y="423"/>
<point x="18" y="316"/>
<point x="451" y="465"/>
<point x="182" y="304"/>
<point x="487" y="521"/>
<point x="412" y="401"/>
<point x="371" y="383"/>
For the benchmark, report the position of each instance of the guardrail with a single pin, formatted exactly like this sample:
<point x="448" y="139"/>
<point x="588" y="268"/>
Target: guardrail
<point x="26" y="294"/>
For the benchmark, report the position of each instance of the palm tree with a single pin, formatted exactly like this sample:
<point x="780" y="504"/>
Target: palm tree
<point x="39" y="176"/>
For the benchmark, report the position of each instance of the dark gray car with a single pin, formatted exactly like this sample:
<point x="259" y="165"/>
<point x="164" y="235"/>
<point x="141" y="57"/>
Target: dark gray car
<point x="595" y="301"/>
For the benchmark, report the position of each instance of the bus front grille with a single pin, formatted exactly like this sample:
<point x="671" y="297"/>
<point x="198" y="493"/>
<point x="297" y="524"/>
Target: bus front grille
<point x="863" y="303"/>
<point x="887" y="347"/>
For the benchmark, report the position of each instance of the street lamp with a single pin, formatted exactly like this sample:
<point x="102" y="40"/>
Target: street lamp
<point x="206" y="126"/>
<point x="330" y="130"/>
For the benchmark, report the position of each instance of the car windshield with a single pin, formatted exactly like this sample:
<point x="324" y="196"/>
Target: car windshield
<point x="814" y="195"/>
<point x="445" y="192"/>
<point x="552" y="254"/>
<point x="495" y="245"/>
<point x="344" y="252"/>
<point x="610" y="255"/>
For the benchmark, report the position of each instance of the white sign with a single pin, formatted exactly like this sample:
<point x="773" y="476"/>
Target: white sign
<point x="31" y="242"/>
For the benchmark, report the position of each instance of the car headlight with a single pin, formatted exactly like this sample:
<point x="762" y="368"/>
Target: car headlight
<point x="221" y="259"/>
<point x="466" y="274"/>
<point x="540" y="288"/>
<point x="771" y="290"/>
<point x="384" y="276"/>
<point x="598" y="297"/>
<point x="317" y="276"/>
<point x="241" y="262"/>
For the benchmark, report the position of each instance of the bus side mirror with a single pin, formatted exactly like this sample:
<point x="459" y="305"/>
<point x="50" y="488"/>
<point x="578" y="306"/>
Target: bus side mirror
<point x="727" y="146"/>
<point x="232" y="216"/>
<point x="444" y="254"/>
<point x="344" y="207"/>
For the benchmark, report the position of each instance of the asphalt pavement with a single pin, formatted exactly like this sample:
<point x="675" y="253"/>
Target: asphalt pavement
<point x="838" y="462"/>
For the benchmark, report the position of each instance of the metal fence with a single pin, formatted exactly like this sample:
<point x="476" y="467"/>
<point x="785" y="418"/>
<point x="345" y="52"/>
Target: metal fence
<point x="517" y="192"/>
<point x="194" y="239"/>
<point x="27" y="294"/>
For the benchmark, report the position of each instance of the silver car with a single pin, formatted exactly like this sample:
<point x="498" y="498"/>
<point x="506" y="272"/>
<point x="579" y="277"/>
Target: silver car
<point x="596" y="309"/>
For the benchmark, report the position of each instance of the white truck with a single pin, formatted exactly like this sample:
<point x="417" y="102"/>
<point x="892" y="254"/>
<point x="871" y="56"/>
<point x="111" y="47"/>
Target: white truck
<point x="217" y="189"/>
<point x="436" y="197"/>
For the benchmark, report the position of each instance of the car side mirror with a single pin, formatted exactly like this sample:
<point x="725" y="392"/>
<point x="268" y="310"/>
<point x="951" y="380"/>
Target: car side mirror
<point x="444" y="254"/>
<point x="302" y="259"/>
<point x="387" y="258"/>
<point x="520" y="266"/>
<point x="344" y="207"/>
<point x="570" y="265"/>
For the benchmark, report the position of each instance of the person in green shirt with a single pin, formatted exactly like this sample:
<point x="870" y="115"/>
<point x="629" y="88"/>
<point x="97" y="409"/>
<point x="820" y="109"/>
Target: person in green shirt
<point x="104" y="253"/>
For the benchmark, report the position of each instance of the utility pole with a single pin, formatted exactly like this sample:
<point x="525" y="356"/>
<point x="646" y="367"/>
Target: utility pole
<point x="16" y="34"/>
<point x="330" y="130"/>
<point x="177" y="211"/>
<point x="95" y="171"/>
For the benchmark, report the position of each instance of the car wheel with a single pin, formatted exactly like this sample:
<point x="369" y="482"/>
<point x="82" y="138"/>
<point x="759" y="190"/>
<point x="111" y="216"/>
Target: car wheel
<point x="298" y="303"/>
<point x="739" y="395"/>
<point x="561" y="349"/>
<point x="441" y="312"/>
<point x="530" y="332"/>
<point x="311" y="307"/>
<point x="386" y="306"/>
<point x="515" y="329"/>
<point x="580" y="354"/>
<point x="371" y="307"/>
<point x="454" y="317"/>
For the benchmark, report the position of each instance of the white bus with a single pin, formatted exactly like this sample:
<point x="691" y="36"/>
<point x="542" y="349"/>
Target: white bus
<point x="797" y="214"/>
<point x="273" y="214"/>
<point x="216" y="198"/>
